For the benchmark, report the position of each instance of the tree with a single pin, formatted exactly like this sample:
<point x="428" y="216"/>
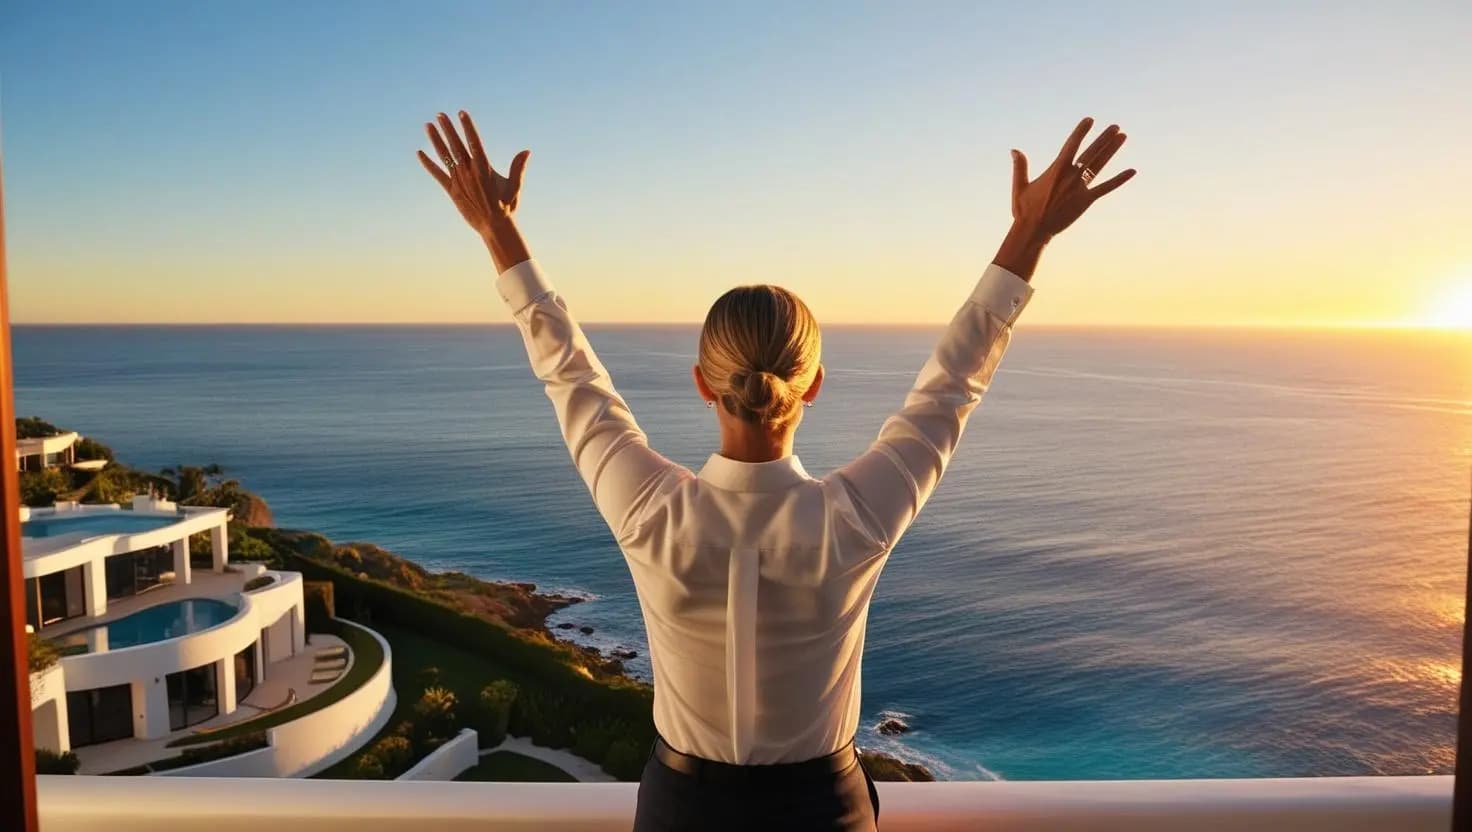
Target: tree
<point x="434" y="714"/>
<point x="494" y="713"/>
<point x="43" y="487"/>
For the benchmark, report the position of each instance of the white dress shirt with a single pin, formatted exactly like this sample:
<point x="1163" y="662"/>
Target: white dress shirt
<point x="755" y="578"/>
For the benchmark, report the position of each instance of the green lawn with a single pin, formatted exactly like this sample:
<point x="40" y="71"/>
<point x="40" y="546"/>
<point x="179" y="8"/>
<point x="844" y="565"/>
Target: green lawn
<point x="463" y="673"/>
<point x="367" y="658"/>
<point x="510" y="767"/>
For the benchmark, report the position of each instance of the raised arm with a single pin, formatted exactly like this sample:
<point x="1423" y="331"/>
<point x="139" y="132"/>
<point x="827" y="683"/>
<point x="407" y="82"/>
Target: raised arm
<point x="610" y="451"/>
<point x="889" y="484"/>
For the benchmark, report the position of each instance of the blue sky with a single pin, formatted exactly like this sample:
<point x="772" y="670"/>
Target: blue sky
<point x="254" y="162"/>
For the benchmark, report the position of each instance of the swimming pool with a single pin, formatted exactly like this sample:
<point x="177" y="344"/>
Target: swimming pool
<point x="112" y="522"/>
<point x="165" y="621"/>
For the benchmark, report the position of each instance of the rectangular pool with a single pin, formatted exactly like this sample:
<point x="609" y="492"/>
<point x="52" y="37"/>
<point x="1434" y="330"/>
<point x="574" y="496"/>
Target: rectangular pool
<point x="112" y="522"/>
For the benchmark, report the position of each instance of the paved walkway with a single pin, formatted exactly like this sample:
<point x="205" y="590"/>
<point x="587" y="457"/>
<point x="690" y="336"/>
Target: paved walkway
<point x="585" y="771"/>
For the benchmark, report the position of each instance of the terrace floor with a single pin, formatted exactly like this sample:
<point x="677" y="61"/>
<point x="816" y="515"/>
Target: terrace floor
<point x="281" y="677"/>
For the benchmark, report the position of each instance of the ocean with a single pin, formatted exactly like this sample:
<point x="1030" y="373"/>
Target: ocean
<point x="1158" y="553"/>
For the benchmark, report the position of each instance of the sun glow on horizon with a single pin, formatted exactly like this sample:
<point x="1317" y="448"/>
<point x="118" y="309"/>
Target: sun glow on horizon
<point x="1453" y="308"/>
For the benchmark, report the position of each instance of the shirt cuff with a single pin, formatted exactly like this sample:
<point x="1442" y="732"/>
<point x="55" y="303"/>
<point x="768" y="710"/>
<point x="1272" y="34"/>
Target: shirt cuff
<point x="1002" y="293"/>
<point x="522" y="285"/>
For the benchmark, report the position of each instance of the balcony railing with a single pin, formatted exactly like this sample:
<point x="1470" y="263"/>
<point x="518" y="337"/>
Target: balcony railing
<point x="1329" y="804"/>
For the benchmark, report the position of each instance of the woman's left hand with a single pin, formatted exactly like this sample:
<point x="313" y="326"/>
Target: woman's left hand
<point x="485" y="198"/>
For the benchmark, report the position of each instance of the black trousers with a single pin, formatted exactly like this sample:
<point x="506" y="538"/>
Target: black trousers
<point x="841" y="801"/>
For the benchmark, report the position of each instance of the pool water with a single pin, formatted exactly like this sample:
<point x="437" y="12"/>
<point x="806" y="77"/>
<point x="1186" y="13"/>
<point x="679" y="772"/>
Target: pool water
<point x="108" y="523"/>
<point x="165" y="621"/>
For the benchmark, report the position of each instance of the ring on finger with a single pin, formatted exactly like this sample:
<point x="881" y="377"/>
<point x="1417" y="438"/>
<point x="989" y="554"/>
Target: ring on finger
<point x="449" y="161"/>
<point x="1086" y="172"/>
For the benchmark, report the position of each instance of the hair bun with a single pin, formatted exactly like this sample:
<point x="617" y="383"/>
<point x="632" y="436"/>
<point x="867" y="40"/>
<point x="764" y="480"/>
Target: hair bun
<point x="759" y="392"/>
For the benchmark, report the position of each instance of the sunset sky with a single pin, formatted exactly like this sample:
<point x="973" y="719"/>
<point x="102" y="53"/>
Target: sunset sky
<point x="175" y="162"/>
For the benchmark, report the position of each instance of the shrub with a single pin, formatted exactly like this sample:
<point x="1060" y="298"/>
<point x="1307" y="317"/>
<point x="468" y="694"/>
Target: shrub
<point x="222" y="749"/>
<point x="89" y="448"/>
<point x="625" y="759"/>
<point x="368" y="767"/>
<point x="258" y="582"/>
<point x="51" y="762"/>
<point x="493" y="714"/>
<point x="434" y="714"/>
<point x="321" y="606"/>
<point x="592" y="740"/>
<point x="41" y="488"/>
<point x="395" y="755"/>
<point x="40" y="653"/>
<point x="34" y="427"/>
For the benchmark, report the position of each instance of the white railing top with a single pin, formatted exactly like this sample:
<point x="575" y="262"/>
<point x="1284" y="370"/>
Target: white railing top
<point x="1340" y="804"/>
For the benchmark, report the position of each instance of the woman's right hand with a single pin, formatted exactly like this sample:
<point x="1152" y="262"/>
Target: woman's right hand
<point x="1062" y="192"/>
<point x="1043" y="207"/>
<point x="484" y="197"/>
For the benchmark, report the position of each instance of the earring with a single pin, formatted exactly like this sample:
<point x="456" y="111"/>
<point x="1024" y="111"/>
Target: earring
<point x="807" y="404"/>
<point x="710" y="404"/>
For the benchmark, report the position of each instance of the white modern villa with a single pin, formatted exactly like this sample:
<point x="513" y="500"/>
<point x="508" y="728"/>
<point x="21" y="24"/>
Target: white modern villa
<point x="46" y="451"/>
<point x="155" y="645"/>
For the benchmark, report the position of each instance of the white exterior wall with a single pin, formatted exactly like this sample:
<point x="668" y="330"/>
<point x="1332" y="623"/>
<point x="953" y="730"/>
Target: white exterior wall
<point x="183" y="570"/>
<point x="1327" y="804"/>
<point x="449" y="760"/>
<point x="305" y="746"/>
<point x="48" y="709"/>
<point x="219" y="548"/>
<point x="94" y="588"/>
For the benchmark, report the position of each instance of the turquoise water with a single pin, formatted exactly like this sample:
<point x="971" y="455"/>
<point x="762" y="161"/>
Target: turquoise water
<point x="1156" y="554"/>
<point x="110" y="523"/>
<point x="165" y="621"/>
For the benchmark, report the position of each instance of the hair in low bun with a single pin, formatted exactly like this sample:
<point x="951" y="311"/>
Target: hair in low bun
<point x="764" y="343"/>
<point x="758" y="392"/>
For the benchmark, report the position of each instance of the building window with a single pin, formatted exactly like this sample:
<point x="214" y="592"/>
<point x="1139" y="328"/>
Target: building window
<point x="245" y="673"/>
<point x="99" y="715"/>
<point x="59" y="596"/>
<point x="135" y="572"/>
<point x="192" y="697"/>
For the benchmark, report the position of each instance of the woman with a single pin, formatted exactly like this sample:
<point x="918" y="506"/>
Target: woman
<point x="754" y="578"/>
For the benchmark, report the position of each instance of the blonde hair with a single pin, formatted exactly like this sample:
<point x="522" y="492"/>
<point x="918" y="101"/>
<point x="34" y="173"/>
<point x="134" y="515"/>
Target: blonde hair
<point x="759" y="352"/>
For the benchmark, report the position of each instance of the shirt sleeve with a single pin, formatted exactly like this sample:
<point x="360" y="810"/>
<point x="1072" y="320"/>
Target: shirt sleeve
<point x="609" y="450"/>
<point x="887" y="485"/>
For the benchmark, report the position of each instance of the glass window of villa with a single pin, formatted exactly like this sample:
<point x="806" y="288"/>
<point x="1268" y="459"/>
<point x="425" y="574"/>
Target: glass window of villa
<point x="245" y="672"/>
<point x="135" y="572"/>
<point x="192" y="697"/>
<point x="59" y="596"/>
<point x="99" y="715"/>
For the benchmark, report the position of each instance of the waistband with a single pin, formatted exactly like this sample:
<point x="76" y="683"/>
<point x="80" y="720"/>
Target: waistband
<point x="712" y="771"/>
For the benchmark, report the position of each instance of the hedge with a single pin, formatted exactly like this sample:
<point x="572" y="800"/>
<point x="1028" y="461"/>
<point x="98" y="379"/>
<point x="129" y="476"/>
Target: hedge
<point x="51" y="762"/>
<point x="552" y="664"/>
<point x="259" y="581"/>
<point x="558" y="704"/>
<point x="202" y="754"/>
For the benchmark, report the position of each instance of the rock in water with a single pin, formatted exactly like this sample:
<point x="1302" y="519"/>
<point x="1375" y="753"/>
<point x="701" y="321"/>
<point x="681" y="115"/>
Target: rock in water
<point x="566" y="625"/>
<point x="585" y="630"/>
<point x="891" y="726"/>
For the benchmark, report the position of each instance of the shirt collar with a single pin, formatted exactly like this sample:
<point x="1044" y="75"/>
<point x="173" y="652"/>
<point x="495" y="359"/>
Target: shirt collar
<point x="731" y="475"/>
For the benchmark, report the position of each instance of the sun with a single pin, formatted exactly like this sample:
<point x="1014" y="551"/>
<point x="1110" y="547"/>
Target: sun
<point x="1453" y="309"/>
